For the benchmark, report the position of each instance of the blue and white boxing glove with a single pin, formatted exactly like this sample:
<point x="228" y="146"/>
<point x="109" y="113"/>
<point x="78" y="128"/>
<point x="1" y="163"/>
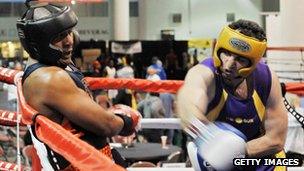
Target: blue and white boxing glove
<point x="218" y="144"/>
<point x="198" y="163"/>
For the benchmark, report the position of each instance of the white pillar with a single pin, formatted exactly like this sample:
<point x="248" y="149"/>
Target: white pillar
<point x="142" y="19"/>
<point x="121" y="20"/>
<point x="292" y="22"/>
<point x="286" y="29"/>
<point x="273" y="29"/>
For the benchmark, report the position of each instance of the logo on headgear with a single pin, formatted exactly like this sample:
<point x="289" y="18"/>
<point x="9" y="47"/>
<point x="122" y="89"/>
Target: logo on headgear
<point x="240" y="45"/>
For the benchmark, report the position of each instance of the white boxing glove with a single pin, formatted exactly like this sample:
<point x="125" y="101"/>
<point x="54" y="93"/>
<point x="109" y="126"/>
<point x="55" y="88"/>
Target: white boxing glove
<point x="197" y="162"/>
<point x="219" y="144"/>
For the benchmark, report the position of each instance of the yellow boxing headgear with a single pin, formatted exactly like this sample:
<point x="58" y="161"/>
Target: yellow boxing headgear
<point x="238" y="43"/>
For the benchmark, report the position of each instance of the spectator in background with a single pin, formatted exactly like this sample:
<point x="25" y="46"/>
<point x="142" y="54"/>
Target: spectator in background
<point x="102" y="60"/>
<point x="152" y="74"/>
<point x="125" y="96"/>
<point x="96" y="69"/>
<point x="171" y="64"/>
<point x="126" y="71"/>
<point x="168" y="102"/>
<point x="187" y="61"/>
<point x="195" y="56"/>
<point x="152" y="107"/>
<point x="156" y="68"/>
<point x="110" y="72"/>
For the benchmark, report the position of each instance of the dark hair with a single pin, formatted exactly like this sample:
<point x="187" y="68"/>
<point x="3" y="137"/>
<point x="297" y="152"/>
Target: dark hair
<point x="154" y="59"/>
<point x="249" y="28"/>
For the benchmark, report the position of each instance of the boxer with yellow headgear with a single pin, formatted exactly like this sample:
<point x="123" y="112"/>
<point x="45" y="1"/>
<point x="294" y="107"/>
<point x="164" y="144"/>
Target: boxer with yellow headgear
<point x="240" y="44"/>
<point x="231" y="104"/>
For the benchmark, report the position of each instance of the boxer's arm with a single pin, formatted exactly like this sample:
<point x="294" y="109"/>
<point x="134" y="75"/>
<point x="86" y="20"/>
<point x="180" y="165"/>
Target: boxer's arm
<point x="66" y="98"/>
<point x="275" y="125"/>
<point x="210" y="139"/>
<point x="193" y="97"/>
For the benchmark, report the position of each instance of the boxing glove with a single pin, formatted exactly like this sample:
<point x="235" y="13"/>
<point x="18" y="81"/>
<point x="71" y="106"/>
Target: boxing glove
<point x="221" y="146"/>
<point x="197" y="162"/>
<point x="131" y="118"/>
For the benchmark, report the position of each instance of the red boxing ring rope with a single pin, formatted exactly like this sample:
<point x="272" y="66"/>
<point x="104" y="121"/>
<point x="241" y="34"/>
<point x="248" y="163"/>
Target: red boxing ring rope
<point x="164" y="86"/>
<point x="8" y="118"/>
<point x="9" y="166"/>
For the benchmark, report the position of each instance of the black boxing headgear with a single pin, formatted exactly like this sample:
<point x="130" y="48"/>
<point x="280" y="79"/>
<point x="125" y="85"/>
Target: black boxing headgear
<point x="41" y="24"/>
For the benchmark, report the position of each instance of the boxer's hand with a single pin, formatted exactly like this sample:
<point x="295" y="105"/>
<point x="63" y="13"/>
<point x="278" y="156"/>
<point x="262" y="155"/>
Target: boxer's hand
<point x="217" y="143"/>
<point x="131" y="118"/>
<point x="225" y="144"/>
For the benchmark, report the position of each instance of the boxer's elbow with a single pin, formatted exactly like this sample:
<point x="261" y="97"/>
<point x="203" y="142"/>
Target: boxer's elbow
<point x="278" y="145"/>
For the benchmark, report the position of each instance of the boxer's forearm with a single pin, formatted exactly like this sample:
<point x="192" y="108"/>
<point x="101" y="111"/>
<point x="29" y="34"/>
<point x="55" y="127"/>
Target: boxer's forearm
<point x="264" y="146"/>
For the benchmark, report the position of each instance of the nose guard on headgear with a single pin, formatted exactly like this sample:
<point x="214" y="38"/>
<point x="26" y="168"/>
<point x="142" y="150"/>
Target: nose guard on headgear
<point x="238" y="43"/>
<point x="36" y="35"/>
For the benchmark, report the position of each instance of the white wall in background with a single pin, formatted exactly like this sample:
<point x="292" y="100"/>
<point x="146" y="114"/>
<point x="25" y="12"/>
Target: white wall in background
<point x="285" y="29"/>
<point x="8" y="31"/>
<point x="200" y="19"/>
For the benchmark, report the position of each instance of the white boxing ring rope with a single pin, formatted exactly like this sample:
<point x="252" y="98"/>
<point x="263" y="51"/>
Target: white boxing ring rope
<point x="161" y="123"/>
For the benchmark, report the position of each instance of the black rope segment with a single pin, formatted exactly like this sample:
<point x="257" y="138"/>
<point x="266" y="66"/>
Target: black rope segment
<point x="291" y="110"/>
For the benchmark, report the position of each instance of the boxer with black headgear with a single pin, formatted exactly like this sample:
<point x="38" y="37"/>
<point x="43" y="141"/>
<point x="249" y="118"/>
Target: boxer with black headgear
<point x="43" y="25"/>
<point x="55" y="88"/>
<point x="231" y="103"/>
